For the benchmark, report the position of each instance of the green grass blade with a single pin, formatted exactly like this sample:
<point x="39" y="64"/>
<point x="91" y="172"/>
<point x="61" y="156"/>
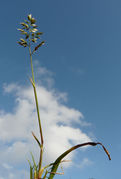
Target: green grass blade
<point x="36" y="139"/>
<point x="35" y="166"/>
<point x="29" y="163"/>
<point x="58" y="160"/>
<point x="31" y="170"/>
<point x="45" y="174"/>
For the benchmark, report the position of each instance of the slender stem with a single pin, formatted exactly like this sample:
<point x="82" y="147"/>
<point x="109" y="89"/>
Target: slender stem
<point x="37" y="107"/>
<point x="31" y="63"/>
<point x="41" y="157"/>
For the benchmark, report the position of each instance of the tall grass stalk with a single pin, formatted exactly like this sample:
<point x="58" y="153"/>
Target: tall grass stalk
<point x="30" y="37"/>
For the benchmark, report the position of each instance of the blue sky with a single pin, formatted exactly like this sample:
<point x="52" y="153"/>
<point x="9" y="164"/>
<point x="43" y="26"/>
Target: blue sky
<point x="79" y="71"/>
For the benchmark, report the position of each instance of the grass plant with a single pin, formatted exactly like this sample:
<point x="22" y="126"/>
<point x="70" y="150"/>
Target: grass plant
<point x="30" y="38"/>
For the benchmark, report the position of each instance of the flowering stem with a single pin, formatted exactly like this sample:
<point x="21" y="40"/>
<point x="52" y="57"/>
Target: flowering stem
<point x="37" y="108"/>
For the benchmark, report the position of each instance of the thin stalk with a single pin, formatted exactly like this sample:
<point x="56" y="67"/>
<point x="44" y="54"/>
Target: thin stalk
<point x="37" y="108"/>
<point x="31" y="172"/>
<point x="41" y="157"/>
<point x="30" y="53"/>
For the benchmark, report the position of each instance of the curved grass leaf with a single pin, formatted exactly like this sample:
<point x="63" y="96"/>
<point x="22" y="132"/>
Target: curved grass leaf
<point x="58" y="160"/>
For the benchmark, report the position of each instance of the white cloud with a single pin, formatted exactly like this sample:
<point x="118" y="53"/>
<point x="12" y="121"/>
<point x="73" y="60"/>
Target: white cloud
<point x="6" y="166"/>
<point x="43" y="75"/>
<point x="15" y="174"/>
<point x="57" y="121"/>
<point x="85" y="162"/>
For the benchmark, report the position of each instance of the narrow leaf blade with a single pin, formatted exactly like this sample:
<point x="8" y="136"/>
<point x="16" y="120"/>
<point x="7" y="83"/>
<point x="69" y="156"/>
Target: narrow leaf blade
<point x="36" y="139"/>
<point x="58" y="160"/>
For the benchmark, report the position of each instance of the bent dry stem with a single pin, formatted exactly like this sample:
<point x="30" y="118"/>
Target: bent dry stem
<point x="37" y="171"/>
